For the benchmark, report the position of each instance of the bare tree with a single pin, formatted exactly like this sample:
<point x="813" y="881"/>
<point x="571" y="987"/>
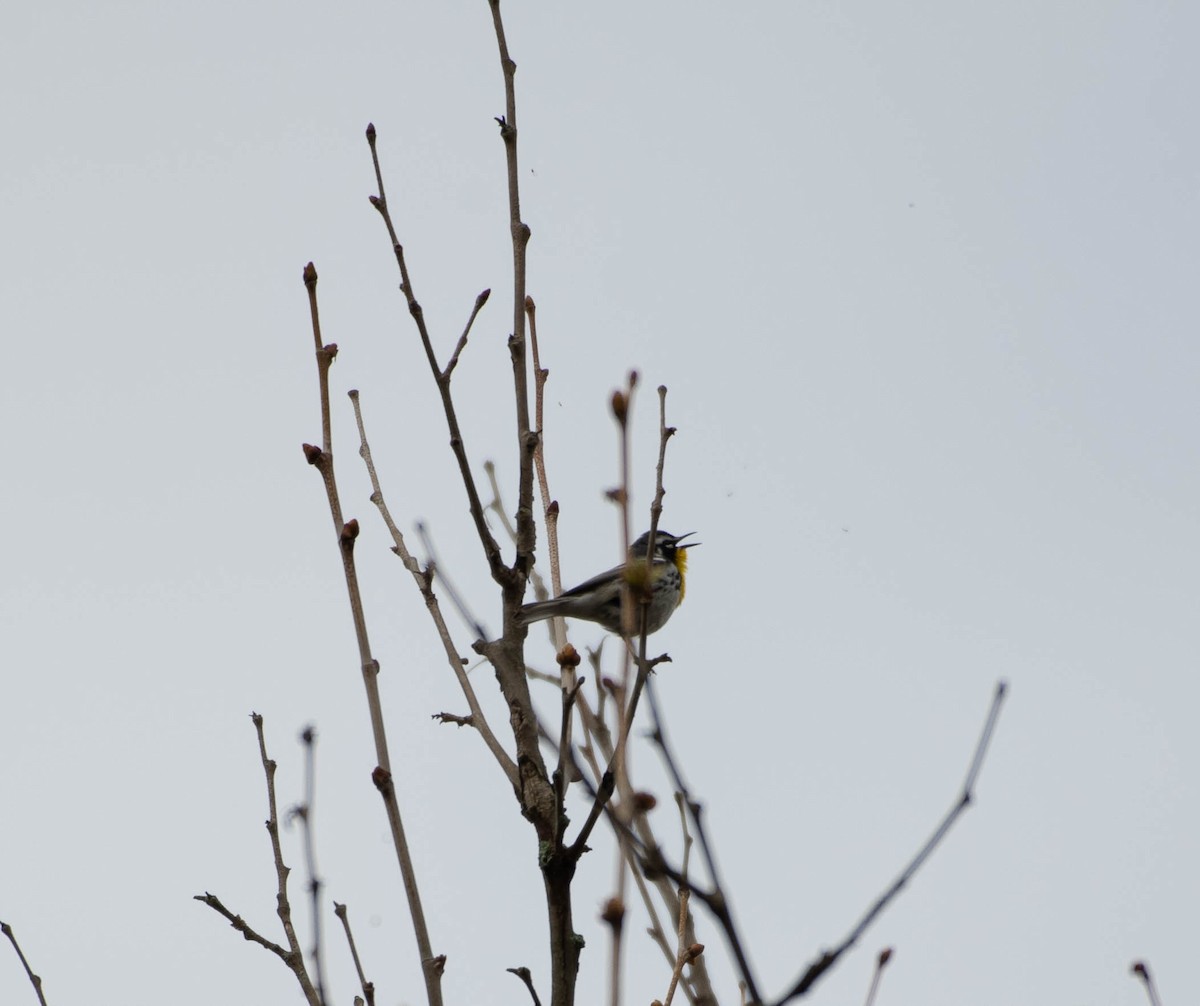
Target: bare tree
<point x="587" y="743"/>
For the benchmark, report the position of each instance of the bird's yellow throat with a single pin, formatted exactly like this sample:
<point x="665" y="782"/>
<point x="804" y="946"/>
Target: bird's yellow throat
<point x="681" y="562"/>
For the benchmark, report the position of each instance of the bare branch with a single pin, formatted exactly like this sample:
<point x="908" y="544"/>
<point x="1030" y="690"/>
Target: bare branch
<point x="716" y="900"/>
<point x="287" y="956"/>
<point x="322" y="460"/>
<point x="442" y="377"/>
<point x="34" y="980"/>
<point x="305" y="815"/>
<point x="621" y="405"/>
<point x="462" y="339"/>
<point x="459" y="721"/>
<point x="368" y="988"/>
<point x="685" y="953"/>
<point x="433" y="565"/>
<point x="1142" y="971"/>
<point x="558" y="625"/>
<point x="568" y="661"/>
<point x="425" y="586"/>
<point x="645" y="667"/>
<point x="524" y="974"/>
<point x="533" y="787"/>
<point x="282" y="870"/>
<point x="539" y="797"/>
<point x="520" y="240"/>
<point x="830" y="957"/>
<point x="292" y="956"/>
<point x="881" y="962"/>
<point x="549" y="506"/>
<point x="697" y="987"/>
<point x="496" y="505"/>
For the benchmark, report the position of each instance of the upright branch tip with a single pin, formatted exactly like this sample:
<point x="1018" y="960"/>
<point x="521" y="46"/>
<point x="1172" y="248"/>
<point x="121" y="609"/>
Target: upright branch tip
<point x="310" y="275"/>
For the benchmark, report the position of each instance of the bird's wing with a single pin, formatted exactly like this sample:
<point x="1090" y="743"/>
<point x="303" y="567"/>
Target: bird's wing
<point x="594" y="582"/>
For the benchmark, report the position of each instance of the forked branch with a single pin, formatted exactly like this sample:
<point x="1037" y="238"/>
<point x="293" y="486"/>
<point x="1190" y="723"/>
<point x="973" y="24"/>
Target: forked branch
<point x="291" y="955"/>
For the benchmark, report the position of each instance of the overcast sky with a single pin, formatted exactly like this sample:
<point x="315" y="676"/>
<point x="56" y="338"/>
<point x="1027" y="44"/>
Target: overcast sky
<point x="917" y="277"/>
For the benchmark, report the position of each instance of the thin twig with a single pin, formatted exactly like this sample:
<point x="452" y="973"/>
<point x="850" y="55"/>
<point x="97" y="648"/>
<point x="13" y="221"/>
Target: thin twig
<point x="622" y="403"/>
<point x="442" y="377"/>
<point x="305" y="815"/>
<point x="665" y="433"/>
<point x="568" y="660"/>
<point x="34" y="980"/>
<point x="283" y="905"/>
<point x="558" y="625"/>
<point x="613" y="913"/>
<point x="367" y="987"/>
<point x="322" y="460"/>
<point x="700" y="989"/>
<point x="684" y="952"/>
<point x="251" y="935"/>
<point x="719" y="902"/>
<point x="549" y="506"/>
<point x="527" y="977"/>
<point x="432" y="565"/>
<point x="292" y="956"/>
<point x="827" y="959"/>
<point x="1142" y="971"/>
<point x="496" y="505"/>
<point x="520" y="233"/>
<point x="425" y="586"/>
<point x="881" y="962"/>
<point x="533" y="786"/>
<point x="462" y="339"/>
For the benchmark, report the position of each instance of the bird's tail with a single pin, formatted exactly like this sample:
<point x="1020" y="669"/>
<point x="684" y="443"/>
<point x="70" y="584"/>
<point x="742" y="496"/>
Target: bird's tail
<point x="536" y="611"/>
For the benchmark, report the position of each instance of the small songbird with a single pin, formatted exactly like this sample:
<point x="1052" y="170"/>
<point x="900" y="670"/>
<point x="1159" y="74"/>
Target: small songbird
<point x="599" y="599"/>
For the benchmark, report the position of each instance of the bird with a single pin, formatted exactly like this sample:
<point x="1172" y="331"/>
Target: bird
<point x="599" y="599"/>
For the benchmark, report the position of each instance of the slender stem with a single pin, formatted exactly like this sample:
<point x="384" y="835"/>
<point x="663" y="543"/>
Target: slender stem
<point x="442" y="377"/>
<point x="282" y="870"/>
<point x="322" y="460"/>
<point x="305" y="814"/>
<point x="829" y="957"/>
<point x="881" y="962"/>
<point x="1142" y="971"/>
<point x="520" y="234"/>
<point x="291" y="955"/>
<point x="425" y="585"/>
<point x="549" y="505"/>
<point x="34" y="980"/>
<point x="368" y="988"/>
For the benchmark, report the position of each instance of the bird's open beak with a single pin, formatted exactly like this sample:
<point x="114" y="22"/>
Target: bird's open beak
<point x="687" y="544"/>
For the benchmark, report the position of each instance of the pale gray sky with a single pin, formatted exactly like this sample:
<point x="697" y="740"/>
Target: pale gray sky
<point x="917" y="277"/>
